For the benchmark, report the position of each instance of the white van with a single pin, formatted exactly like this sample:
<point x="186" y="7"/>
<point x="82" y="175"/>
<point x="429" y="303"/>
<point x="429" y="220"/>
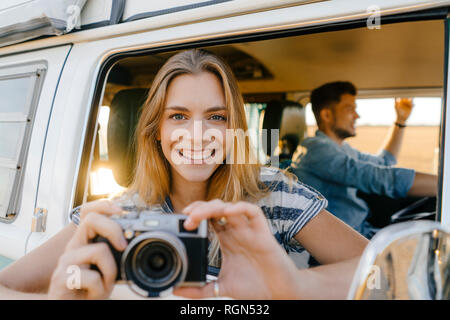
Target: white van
<point x="59" y="90"/>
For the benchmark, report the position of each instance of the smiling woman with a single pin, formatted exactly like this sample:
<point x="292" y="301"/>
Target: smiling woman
<point x="278" y="51"/>
<point x="195" y="82"/>
<point x="194" y="92"/>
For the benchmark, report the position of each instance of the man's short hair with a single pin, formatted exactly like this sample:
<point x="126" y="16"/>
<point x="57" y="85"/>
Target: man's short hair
<point x="329" y="93"/>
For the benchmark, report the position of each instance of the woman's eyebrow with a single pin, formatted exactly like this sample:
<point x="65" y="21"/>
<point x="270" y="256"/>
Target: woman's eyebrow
<point x="178" y="108"/>
<point x="215" y="109"/>
<point x="212" y="109"/>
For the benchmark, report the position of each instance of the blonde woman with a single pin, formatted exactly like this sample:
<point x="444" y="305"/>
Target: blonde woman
<point x="187" y="163"/>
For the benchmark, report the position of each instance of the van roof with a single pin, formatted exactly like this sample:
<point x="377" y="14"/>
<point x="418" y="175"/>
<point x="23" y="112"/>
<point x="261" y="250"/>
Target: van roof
<point x="138" y="16"/>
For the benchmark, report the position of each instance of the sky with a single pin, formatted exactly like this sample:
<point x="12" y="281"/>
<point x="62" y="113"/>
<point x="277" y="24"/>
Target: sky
<point x="381" y="112"/>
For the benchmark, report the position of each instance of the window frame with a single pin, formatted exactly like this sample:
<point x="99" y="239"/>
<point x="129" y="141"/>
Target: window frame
<point x="37" y="71"/>
<point x="82" y="177"/>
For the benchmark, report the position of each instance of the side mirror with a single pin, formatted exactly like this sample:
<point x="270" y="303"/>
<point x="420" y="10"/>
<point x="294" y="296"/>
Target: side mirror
<point x="409" y="260"/>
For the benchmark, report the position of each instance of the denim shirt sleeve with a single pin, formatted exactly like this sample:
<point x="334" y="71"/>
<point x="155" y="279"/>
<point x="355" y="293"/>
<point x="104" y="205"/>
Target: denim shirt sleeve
<point x="389" y="159"/>
<point x="333" y="164"/>
<point x="385" y="158"/>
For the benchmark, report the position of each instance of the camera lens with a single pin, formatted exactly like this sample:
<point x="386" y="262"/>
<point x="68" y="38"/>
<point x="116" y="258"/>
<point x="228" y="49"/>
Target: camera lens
<point x="157" y="261"/>
<point x="154" y="261"/>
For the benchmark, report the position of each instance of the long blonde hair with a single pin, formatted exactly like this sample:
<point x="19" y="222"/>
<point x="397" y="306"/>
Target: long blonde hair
<point x="229" y="182"/>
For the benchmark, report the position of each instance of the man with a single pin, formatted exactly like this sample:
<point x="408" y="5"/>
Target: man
<point x="337" y="170"/>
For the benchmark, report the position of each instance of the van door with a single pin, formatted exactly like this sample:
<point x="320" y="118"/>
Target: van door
<point x="28" y="83"/>
<point x="444" y="155"/>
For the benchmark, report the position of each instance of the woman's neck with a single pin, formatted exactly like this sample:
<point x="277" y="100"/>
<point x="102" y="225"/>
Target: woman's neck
<point x="184" y="192"/>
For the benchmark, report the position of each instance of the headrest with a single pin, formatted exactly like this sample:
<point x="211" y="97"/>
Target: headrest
<point x="286" y="116"/>
<point x="124" y="114"/>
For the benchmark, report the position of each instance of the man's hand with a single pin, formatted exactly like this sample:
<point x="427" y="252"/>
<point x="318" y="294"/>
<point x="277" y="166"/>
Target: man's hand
<point x="254" y="266"/>
<point x="403" y="108"/>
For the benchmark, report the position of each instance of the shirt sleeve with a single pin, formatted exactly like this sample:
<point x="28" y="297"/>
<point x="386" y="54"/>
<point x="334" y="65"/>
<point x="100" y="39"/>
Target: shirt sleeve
<point x="340" y="168"/>
<point x="310" y="209"/>
<point x="74" y="215"/>
<point x="389" y="159"/>
<point x="385" y="158"/>
<point x="288" y="208"/>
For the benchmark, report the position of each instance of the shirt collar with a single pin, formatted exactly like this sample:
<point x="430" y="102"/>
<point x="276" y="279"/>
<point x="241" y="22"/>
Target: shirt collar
<point x="167" y="205"/>
<point x="321" y="134"/>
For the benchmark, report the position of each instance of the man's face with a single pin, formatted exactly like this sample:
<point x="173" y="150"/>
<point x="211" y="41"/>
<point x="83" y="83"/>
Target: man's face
<point x="344" y="116"/>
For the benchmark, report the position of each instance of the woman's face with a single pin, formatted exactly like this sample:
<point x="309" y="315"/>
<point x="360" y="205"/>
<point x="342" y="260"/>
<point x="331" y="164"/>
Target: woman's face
<point x="193" y="127"/>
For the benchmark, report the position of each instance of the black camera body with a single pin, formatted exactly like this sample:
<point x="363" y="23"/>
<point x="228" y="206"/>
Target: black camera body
<point x="160" y="254"/>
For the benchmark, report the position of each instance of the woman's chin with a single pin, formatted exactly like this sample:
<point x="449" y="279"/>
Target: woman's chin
<point x="196" y="174"/>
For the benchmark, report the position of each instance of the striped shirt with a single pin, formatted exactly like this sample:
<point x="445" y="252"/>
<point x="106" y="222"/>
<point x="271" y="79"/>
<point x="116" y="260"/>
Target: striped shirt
<point x="288" y="206"/>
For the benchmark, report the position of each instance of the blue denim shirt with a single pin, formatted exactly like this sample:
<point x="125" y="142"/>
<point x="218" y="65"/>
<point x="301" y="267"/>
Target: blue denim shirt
<point x="338" y="171"/>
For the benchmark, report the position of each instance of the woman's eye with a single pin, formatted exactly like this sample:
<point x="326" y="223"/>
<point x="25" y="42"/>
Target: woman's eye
<point x="177" y="116"/>
<point x="218" y="117"/>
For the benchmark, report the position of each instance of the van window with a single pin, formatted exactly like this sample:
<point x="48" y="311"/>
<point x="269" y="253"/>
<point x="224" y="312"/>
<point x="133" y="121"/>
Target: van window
<point x="19" y="89"/>
<point x="255" y="113"/>
<point x="275" y="77"/>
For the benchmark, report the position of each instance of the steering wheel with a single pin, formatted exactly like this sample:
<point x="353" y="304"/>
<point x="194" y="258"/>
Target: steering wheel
<point x="411" y="212"/>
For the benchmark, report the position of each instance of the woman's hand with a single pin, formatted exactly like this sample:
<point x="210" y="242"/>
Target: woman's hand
<point x="103" y="206"/>
<point x="73" y="278"/>
<point x="254" y="266"/>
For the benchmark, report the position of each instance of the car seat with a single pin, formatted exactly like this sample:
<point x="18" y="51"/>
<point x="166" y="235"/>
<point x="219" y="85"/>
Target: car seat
<point x="124" y="114"/>
<point x="289" y="118"/>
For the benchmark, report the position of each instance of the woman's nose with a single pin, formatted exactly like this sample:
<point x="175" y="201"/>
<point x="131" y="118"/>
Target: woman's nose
<point x="197" y="130"/>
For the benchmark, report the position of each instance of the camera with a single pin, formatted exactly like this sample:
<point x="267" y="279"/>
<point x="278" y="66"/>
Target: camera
<point x="160" y="254"/>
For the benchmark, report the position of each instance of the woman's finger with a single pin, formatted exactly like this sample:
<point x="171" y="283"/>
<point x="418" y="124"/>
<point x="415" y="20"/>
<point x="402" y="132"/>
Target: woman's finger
<point x="236" y="214"/>
<point x="206" y="291"/>
<point x="252" y="212"/>
<point x="193" y="205"/>
<point x="98" y="224"/>
<point x="103" y="206"/>
<point x="91" y="282"/>
<point x="97" y="254"/>
<point x="211" y="210"/>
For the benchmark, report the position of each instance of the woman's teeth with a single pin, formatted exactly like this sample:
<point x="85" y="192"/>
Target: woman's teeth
<point x="197" y="155"/>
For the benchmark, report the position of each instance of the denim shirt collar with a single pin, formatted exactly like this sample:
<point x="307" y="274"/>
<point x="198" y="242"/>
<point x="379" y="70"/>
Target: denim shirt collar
<point x="319" y="135"/>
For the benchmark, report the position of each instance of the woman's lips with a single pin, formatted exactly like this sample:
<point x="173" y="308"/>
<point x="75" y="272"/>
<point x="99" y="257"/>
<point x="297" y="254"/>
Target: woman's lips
<point x="197" y="157"/>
